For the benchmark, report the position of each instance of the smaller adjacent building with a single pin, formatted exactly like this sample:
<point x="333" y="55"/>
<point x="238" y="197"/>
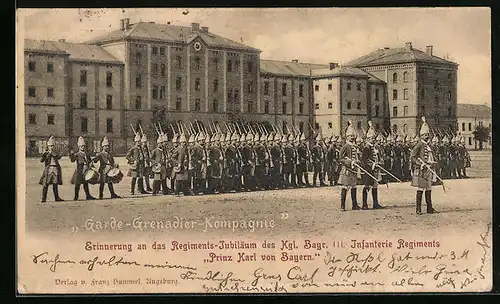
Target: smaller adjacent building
<point x="468" y="117"/>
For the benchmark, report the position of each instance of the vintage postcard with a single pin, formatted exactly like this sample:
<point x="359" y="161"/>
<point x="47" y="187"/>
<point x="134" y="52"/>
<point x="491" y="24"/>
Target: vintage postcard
<point x="283" y="150"/>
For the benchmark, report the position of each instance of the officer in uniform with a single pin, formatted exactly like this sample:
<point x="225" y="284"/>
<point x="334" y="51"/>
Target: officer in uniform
<point x="423" y="157"/>
<point x="370" y="158"/>
<point x="349" y="173"/>
<point x="277" y="163"/>
<point x="198" y="161"/>
<point x="106" y="163"/>
<point x="52" y="173"/>
<point x="83" y="162"/>
<point x="135" y="158"/>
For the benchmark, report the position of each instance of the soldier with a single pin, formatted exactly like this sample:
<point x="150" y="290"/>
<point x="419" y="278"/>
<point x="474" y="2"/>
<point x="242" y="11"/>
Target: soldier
<point x="198" y="159"/>
<point x="83" y="162"/>
<point x="349" y="173"/>
<point x="318" y="160"/>
<point x="147" y="161"/>
<point x="260" y="161"/>
<point x="229" y="161"/>
<point x="388" y="155"/>
<point x="331" y="161"/>
<point x="371" y="160"/>
<point x="277" y="163"/>
<point x="248" y="161"/>
<point x="289" y="159"/>
<point x="397" y="168"/>
<point x="406" y="159"/>
<point x="465" y="161"/>
<point x="302" y="161"/>
<point x="52" y="172"/>
<point x="106" y="163"/>
<point x="135" y="158"/>
<point x="159" y="166"/>
<point x="423" y="158"/>
<point x="181" y="164"/>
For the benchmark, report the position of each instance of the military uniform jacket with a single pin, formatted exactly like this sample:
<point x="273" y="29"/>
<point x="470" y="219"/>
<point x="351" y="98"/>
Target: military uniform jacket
<point x="197" y="158"/>
<point x="276" y="155"/>
<point x="303" y="154"/>
<point x="51" y="162"/>
<point x="290" y="156"/>
<point x="135" y="158"/>
<point x="248" y="156"/>
<point x="147" y="157"/>
<point x="83" y="161"/>
<point x="317" y="154"/>
<point x="348" y="152"/>
<point x="260" y="155"/>
<point x="422" y="178"/>
<point x="106" y="163"/>
<point x="369" y="156"/>
<point x="180" y="157"/>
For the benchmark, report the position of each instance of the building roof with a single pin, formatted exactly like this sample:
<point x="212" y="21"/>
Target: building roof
<point x="289" y="68"/>
<point x="339" y="71"/>
<point x="171" y="33"/>
<point x="473" y="110"/>
<point x="385" y="56"/>
<point x="76" y="51"/>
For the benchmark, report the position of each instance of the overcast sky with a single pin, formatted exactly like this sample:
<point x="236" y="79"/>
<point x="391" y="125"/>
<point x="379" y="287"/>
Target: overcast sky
<point x="310" y="35"/>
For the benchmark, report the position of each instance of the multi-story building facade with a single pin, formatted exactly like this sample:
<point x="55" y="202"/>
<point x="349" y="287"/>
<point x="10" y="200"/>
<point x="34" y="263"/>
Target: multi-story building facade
<point x="418" y="84"/>
<point x="468" y="117"/>
<point x="183" y="73"/>
<point x="145" y="72"/>
<point x="78" y="88"/>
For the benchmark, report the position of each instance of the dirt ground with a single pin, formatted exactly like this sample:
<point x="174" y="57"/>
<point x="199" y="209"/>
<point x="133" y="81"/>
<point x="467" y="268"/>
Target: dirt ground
<point x="464" y="208"/>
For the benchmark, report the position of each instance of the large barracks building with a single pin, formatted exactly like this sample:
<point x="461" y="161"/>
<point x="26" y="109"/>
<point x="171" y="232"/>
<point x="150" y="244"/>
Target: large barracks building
<point x="144" y="72"/>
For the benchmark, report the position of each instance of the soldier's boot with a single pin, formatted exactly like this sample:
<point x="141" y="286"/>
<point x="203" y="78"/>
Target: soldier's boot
<point x="172" y="185"/>
<point x="177" y="188"/>
<point x="354" y="198"/>
<point x="132" y="185"/>
<point x="306" y="177"/>
<point x="322" y="180"/>
<point x="330" y="179"/>
<point x="164" y="188"/>
<point x="155" y="188"/>
<point x="101" y="190"/>
<point x="88" y="196"/>
<point x="465" y="173"/>
<point x="55" y="188"/>
<point x="140" y="186"/>
<point x="315" y="176"/>
<point x="428" y="201"/>
<point x="45" y="189"/>
<point x="112" y="191"/>
<point x="343" y="195"/>
<point x="148" y="187"/>
<point x="293" y="180"/>
<point x="419" y="202"/>
<point x="365" y="198"/>
<point x="376" y="205"/>
<point x="77" y="192"/>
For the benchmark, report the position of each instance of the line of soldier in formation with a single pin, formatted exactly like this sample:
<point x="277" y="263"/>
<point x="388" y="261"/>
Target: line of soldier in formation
<point x="198" y="161"/>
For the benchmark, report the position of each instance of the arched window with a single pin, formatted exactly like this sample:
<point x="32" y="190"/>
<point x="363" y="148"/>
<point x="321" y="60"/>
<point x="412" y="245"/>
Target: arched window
<point x="395" y="128"/>
<point x="137" y="58"/>
<point x="449" y="95"/>
<point x="394" y="78"/>
<point x="405" y="76"/>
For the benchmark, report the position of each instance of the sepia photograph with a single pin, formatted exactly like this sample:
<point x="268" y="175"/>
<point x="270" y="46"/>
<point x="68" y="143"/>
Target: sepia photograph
<point x="253" y="150"/>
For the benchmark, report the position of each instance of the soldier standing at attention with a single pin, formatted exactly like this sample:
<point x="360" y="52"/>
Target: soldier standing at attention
<point x="371" y="160"/>
<point x="158" y="166"/>
<point x="147" y="161"/>
<point x="181" y="159"/>
<point x="423" y="157"/>
<point x="349" y="173"/>
<point x="83" y="161"/>
<point x="317" y="158"/>
<point x="135" y="159"/>
<point x="302" y="158"/>
<point x="52" y="173"/>
<point x="106" y="163"/>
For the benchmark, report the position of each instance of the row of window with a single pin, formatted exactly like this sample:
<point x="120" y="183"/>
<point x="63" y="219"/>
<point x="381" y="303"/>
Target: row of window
<point x="32" y="120"/>
<point x="83" y="78"/>
<point x="422" y="112"/>
<point x="197" y="64"/>
<point x="405" y="78"/>
<point x="283" y="89"/>
<point x="32" y="92"/>
<point x="32" y="66"/>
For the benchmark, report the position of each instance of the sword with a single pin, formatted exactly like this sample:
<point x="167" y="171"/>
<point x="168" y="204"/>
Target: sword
<point x="387" y="172"/>
<point x="361" y="168"/>
<point x="433" y="172"/>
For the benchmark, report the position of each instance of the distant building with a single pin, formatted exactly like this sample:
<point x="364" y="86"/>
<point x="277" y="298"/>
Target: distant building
<point x="468" y="117"/>
<point x="418" y="84"/>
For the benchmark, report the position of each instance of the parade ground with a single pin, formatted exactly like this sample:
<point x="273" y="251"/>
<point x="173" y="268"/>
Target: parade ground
<point x="466" y="204"/>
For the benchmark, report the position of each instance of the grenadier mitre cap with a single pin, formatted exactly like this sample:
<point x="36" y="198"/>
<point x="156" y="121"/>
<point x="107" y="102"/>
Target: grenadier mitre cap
<point x="435" y="139"/>
<point x="291" y="138"/>
<point x="105" y="142"/>
<point x="51" y="141"/>
<point x="159" y="140"/>
<point x="400" y="138"/>
<point x="182" y="139"/>
<point x="190" y="139"/>
<point x="319" y="137"/>
<point x="350" y="130"/>
<point x="81" y="142"/>
<point x="227" y="138"/>
<point x="284" y="138"/>
<point x="370" y="133"/>
<point x="234" y="137"/>
<point x="424" y="129"/>
<point x="137" y="137"/>
<point x="390" y="138"/>
<point x="144" y="138"/>
<point x="302" y="137"/>
<point x="462" y="140"/>
<point x="277" y="137"/>
<point x="201" y="137"/>
<point x="270" y="137"/>
<point x="175" y="139"/>
<point x="207" y="139"/>
<point x="214" y="137"/>
<point x="359" y="139"/>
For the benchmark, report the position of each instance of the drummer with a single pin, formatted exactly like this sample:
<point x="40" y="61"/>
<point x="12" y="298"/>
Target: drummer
<point x="83" y="161"/>
<point x="106" y="163"/>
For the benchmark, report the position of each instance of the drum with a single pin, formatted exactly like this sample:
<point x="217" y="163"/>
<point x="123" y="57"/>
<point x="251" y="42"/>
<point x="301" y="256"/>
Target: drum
<point x="115" y="175"/>
<point x="92" y="176"/>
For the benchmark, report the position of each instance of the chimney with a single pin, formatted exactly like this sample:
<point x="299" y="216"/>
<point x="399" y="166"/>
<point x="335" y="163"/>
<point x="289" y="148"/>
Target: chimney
<point x="428" y="50"/>
<point x="295" y="60"/>
<point x="195" y="27"/>
<point x="408" y="46"/>
<point x="61" y="40"/>
<point x="126" y="23"/>
<point x="205" y="29"/>
<point x="122" y="24"/>
<point x="333" y="65"/>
